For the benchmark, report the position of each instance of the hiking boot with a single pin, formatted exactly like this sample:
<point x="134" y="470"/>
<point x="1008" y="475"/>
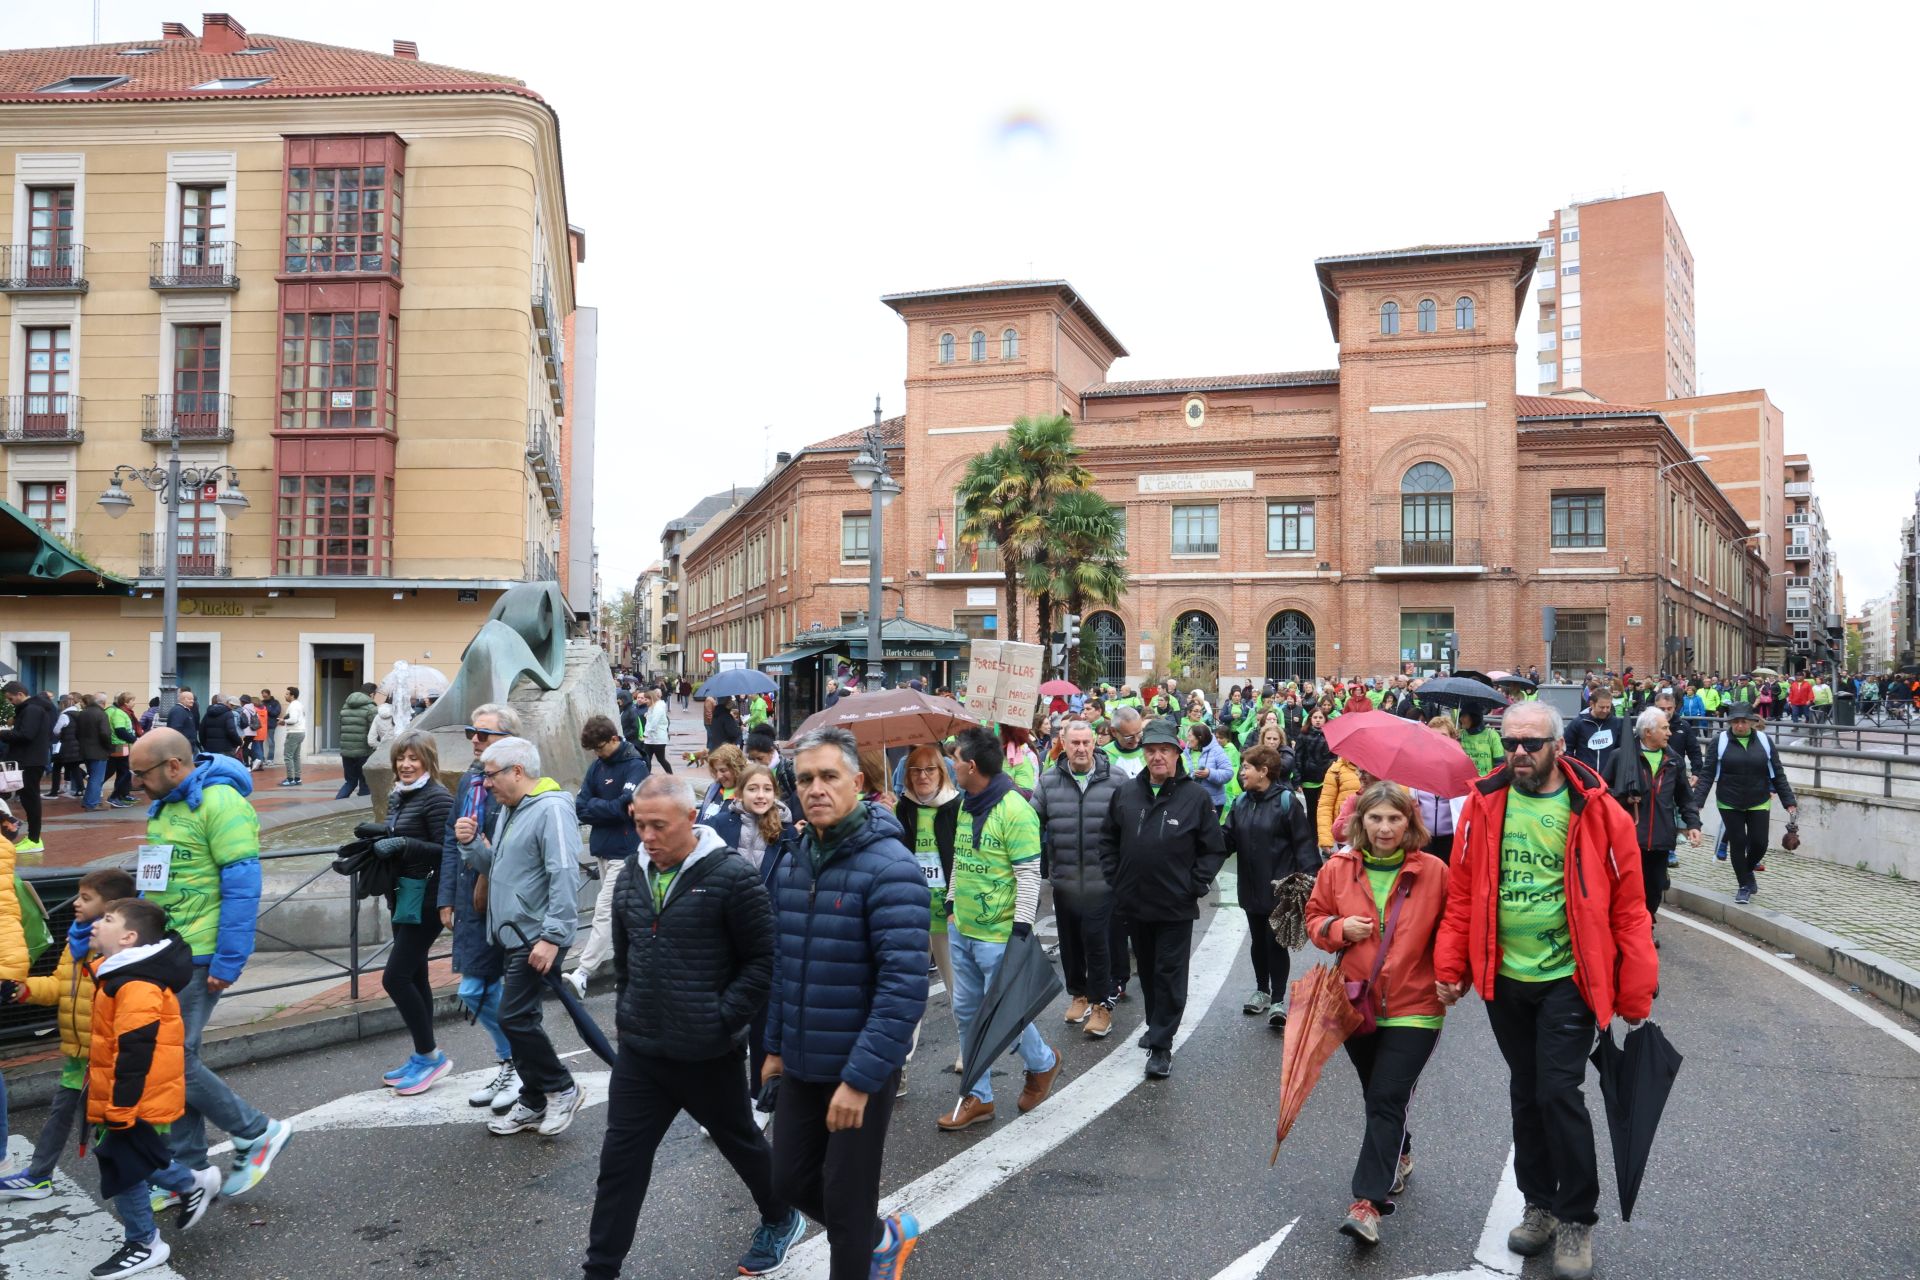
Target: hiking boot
<point x="971" y="1111"/>
<point x="1363" y="1222"/>
<point x="1534" y="1233"/>
<point x="1077" y="1011"/>
<point x="1039" y="1085"/>
<point x="488" y="1091"/>
<point x="1401" y="1172"/>
<point x="768" y="1252"/>
<point x="1572" y="1251"/>
<point x="1159" y="1064"/>
<point x="1100" y="1022"/>
<point x="1257" y="1003"/>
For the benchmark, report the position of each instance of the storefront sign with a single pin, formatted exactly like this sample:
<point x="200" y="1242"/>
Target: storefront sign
<point x="235" y="607"/>
<point x="1003" y="681"/>
<point x="978" y="597"/>
<point x="1196" y="482"/>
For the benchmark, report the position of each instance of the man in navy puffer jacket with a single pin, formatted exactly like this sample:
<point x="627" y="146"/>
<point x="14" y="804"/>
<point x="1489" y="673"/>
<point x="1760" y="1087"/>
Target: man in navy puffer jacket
<point x="849" y="985"/>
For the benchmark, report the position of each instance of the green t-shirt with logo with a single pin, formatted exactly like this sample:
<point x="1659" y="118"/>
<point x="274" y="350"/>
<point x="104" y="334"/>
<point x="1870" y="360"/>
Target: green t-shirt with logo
<point x="1534" y="942"/>
<point x="1483" y="748"/>
<point x="1382" y="881"/>
<point x="983" y="885"/>
<point x="926" y="851"/>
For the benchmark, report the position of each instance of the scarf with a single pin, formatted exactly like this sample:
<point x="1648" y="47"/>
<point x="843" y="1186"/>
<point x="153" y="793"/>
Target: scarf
<point x="80" y="938"/>
<point x="980" y="805"/>
<point x="208" y="771"/>
<point x="1384" y="862"/>
<point x="822" y="845"/>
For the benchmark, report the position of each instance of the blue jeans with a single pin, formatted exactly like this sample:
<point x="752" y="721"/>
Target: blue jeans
<point x="974" y="963"/>
<point x="208" y="1097"/>
<point x="482" y="998"/>
<point x="96" y="780"/>
<point x="136" y="1207"/>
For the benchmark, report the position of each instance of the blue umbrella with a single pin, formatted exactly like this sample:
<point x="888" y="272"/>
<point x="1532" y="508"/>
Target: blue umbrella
<point x="738" y="683"/>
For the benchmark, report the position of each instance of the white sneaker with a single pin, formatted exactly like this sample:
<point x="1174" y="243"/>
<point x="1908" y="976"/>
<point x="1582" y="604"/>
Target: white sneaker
<point x="578" y="981"/>
<point x="494" y="1085"/>
<point x="195" y="1203"/>
<point x="135" y="1256"/>
<point x="509" y="1094"/>
<point x="560" y="1109"/>
<point x="518" y="1120"/>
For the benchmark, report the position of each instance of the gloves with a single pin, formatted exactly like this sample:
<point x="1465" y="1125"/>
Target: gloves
<point x="369" y="830"/>
<point x="1022" y="929"/>
<point x="390" y="847"/>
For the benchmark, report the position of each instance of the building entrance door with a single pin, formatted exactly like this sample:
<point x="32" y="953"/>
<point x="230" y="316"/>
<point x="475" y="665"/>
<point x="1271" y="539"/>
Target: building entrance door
<point x="338" y="669"/>
<point x="39" y="663"/>
<point x="196" y="671"/>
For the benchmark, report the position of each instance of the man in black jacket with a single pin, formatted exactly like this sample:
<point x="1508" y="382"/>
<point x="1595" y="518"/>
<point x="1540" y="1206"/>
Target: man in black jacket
<point x="1597" y="733"/>
<point x="29" y="744"/>
<point x="1160" y="848"/>
<point x="184" y="720"/>
<point x="693" y="960"/>
<point x="1071" y="800"/>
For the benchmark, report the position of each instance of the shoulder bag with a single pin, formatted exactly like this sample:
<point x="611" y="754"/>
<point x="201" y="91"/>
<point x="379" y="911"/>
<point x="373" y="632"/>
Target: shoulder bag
<point x="1360" y="994"/>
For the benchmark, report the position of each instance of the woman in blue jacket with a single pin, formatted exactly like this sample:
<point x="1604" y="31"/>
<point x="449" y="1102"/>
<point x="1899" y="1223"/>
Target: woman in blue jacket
<point x="1207" y="764"/>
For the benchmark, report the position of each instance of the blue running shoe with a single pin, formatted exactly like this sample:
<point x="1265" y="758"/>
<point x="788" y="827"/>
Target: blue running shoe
<point x="771" y="1241"/>
<point x="890" y="1260"/>
<point x="422" y="1074"/>
<point x="24" y="1186"/>
<point x="393" y="1077"/>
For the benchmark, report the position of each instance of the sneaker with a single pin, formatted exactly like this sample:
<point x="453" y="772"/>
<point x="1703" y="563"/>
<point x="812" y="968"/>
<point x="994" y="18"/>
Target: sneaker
<point x="1572" y="1251"/>
<point x="560" y="1111"/>
<point x="890" y="1260"/>
<point x="1077" y="1011"/>
<point x="1401" y="1172"/>
<point x="1362" y="1223"/>
<point x="1673" y="857"/>
<point x="134" y="1257"/>
<point x="399" y="1073"/>
<point x="768" y="1252"/>
<point x="120" y="804"/>
<point x="1159" y="1064"/>
<point x="1534" y="1233"/>
<point x="1099" y="1022"/>
<point x="490" y="1089"/>
<point x="24" y="1186"/>
<point x="518" y="1120"/>
<point x="159" y="1199"/>
<point x="901" y="1092"/>
<point x="1742" y="896"/>
<point x="251" y="1162"/>
<point x="425" y="1074"/>
<point x="195" y="1203"/>
<point x="34" y="846"/>
<point x="578" y="981"/>
<point x="1039" y="1085"/>
<point x="1759" y="867"/>
<point x="1257" y="1003"/>
<point x="1276" y="1019"/>
<point x="970" y="1112"/>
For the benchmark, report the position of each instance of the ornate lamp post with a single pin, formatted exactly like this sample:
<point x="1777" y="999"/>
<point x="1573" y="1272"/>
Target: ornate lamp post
<point x="172" y="484"/>
<point x="869" y="470"/>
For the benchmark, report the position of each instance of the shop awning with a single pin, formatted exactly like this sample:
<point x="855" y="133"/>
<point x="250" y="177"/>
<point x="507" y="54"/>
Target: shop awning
<point x="34" y="562"/>
<point x="782" y="663"/>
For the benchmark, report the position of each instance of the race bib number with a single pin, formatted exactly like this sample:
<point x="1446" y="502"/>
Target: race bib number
<point x="1601" y="740"/>
<point x="154" y="869"/>
<point x="936" y="878"/>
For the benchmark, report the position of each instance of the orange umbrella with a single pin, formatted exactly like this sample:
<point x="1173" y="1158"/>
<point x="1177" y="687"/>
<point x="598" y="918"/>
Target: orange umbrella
<point x="1319" y="1020"/>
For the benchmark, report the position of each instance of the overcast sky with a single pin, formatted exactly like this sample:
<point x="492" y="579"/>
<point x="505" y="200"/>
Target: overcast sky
<point x="753" y="177"/>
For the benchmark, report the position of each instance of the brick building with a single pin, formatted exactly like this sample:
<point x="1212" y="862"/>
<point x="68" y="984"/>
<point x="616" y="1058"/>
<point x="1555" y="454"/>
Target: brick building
<point x="1616" y="301"/>
<point x="1336" y="521"/>
<point x="1742" y="434"/>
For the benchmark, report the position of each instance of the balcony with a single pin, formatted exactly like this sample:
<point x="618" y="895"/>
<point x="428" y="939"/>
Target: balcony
<point x="1799" y="488"/>
<point x="1799" y="551"/>
<point x="26" y="268"/>
<point x="960" y="555"/>
<point x="545" y="460"/>
<point x="539" y="566"/>
<point x="1436" y="557"/>
<point x="42" y="419"/>
<point x="201" y="416"/>
<point x="1800" y="517"/>
<point x="203" y="555"/>
<point x="193" y="267"/>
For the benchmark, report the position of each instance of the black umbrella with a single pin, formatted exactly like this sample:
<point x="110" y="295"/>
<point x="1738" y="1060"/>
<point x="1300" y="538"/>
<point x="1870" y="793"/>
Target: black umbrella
<point x="737" y="683"/>
<point x="1459" y="691"/>
<point x="1635" y="1080"/>
<point x="1023" y="986"/>
<point x="582" y="1020"/>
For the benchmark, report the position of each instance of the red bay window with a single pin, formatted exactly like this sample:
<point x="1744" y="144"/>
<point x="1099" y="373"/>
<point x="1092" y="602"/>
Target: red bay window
<point x="343" y="197"/>
<point x="334" y="507"/>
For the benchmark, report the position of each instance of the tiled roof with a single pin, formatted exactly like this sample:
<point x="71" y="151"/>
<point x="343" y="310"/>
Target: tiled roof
<point x="1555" y="407"/>
<point x="295" y="69"/>
<point x="1324" y="267"/>
<point x="1064" y="288"/>
<point x="1224" y="382"/>
<point x="710" y="506"/>
<point x="1430" y="250"/>
<point x="893" y="433"/>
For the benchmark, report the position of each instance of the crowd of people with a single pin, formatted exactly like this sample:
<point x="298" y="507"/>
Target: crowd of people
<point x="771" y="936"/>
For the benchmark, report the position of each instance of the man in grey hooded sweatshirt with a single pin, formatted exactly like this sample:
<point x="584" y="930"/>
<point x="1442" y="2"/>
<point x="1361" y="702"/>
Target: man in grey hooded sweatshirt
<point x="531" y="860"/>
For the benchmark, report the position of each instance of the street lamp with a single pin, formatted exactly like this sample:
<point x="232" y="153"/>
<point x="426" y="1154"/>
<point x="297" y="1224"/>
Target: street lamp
<point x="1698" y="457"/>
<point x="172" y="484"/>
<point x="869" y="471"/>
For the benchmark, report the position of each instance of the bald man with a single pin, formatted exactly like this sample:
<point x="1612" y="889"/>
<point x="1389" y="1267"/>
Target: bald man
<point x="201" y="865"/>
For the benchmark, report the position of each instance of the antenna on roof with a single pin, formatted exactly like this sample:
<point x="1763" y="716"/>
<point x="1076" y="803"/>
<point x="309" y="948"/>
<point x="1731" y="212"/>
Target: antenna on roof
<point x="96" y="21"/>
<point x="876" y="411"/>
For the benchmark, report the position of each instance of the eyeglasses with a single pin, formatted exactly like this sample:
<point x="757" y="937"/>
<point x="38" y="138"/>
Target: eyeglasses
<point x="1528" y="745"/>
<point x="491" y="774"/>
<point x="142" y="773"/>
<point x="929" y="769"/>
<point x="473" y="733"/>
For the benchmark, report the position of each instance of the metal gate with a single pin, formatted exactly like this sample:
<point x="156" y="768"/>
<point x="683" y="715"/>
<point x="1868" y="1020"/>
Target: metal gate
<point x="1290" y="646"/>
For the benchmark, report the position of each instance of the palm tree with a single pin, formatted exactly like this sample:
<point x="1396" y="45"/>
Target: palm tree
<point x="986" y="516"/>
<point x="1007" y="493"/>
<point x="1083" y="559"/>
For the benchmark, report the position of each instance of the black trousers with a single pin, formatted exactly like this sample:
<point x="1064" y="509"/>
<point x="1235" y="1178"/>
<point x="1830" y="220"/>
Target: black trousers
<point x="833" y="1178"/>
<point x="121" y="768"/>
<point x="1746" y="841"/>
<point x="1084" y="925"/>
<point x="539" y="1065"/>
<point x="644" y="1095"/>
<point x="657" y="753"/>
<point x="405" y="978"/>
<point x="1389" y="1063"/>
<point x="353" y="777"/>
<point x="29" y="797"/>
<point x="1545" y="1031"/>
<point x="1163" y="948"/>
<point x="1119" y="967"/>
<point x="1653" y="870"/>
<point x="1441" y="847"/>
<point x="1271" y="961"/>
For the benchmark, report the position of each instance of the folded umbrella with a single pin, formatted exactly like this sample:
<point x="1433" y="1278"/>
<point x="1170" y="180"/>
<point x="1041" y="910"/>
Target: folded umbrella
<point x="1635" y="1079"/>
<point x="1319" y="1020"/>
<point x="1403" y="751"/>
<point x="737" y="683"/>
<point x="892" y="717"/>
<point x="583" y="1022"/>
<point x="1022" y="988"/>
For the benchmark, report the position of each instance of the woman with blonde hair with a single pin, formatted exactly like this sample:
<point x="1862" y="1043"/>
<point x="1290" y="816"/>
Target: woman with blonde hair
<point x="725" y="763"/>
<point x="1377" y="905"/>
<point x="929" y="813"/>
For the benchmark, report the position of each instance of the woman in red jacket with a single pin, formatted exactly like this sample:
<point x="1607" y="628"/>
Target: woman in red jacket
<point x="1384" y="892"/>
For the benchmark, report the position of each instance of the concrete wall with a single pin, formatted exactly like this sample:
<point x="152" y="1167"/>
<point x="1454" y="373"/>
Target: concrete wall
<point x="1858" y="830"/>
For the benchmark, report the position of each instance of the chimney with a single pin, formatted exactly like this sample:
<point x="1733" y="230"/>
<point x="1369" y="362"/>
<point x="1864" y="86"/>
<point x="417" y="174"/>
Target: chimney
<point x="782" y="459"/>
<point x="174" y="31"/>
<point x="406" y="49"/>
<point x="221" y="34"/>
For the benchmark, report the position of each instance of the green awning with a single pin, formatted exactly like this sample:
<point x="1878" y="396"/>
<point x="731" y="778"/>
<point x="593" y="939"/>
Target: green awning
<point x="34" y="562"/>
<point x="784" y="662"/>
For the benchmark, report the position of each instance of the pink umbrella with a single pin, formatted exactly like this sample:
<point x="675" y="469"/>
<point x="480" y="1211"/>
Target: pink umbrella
<point x="1403" y="751"/>
<point x="1059" y="689"/>
<point x="892" y="718"/>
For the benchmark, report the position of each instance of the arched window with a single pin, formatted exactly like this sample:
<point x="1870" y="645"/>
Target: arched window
<point x="1429" y="316"/>
<point x="1389" y="318"/>
<point x="1196" y="645"/>
<point x="1426" y="515"/>
<point x="1290" y="646"/>
<point x="1106" y="640"/>
<point x="1010" y="345"/>
<point x="977" y="346"/>
<point x="946" y="348"/>
<point x="1463" y="313"/>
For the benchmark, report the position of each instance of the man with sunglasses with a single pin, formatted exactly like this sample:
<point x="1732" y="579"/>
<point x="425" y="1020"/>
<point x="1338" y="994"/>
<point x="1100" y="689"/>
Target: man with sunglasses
<point x="1547" y="918"/>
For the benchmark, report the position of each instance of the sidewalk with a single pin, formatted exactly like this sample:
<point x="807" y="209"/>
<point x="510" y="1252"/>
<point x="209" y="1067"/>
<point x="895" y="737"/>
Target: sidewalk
<point x="1864" y="907"/>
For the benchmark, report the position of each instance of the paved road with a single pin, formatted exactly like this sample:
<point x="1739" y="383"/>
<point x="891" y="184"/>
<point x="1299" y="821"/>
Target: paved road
<point x="1790" y="1150"/>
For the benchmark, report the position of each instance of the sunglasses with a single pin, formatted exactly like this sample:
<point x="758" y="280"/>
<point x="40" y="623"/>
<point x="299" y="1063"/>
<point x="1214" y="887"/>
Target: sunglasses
<point x="473" y="734"/>
<point x="1528" y="745"/>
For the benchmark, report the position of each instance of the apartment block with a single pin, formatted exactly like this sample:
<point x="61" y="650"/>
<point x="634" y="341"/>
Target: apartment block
<point x="1615" y="288"/>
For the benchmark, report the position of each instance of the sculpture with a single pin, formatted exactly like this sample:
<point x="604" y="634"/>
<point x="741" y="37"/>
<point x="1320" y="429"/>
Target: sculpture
<point x="525" y="635"/>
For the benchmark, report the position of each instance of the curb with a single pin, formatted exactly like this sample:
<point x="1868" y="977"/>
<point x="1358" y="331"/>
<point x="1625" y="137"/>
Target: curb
<point x="1894" y="983"/>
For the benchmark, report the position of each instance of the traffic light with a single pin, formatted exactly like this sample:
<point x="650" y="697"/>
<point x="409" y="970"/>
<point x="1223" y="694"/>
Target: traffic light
<point x="1070" y="630"/>
<point x="1058" y="653"/>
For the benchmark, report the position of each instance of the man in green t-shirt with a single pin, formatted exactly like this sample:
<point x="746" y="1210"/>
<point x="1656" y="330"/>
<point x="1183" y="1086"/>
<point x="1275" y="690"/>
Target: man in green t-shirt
<point x="1124" y="753"/>
<point x="991" y="899"/>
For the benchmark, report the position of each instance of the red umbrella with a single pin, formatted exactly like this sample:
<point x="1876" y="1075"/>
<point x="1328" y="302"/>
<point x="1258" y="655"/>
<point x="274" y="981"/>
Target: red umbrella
<point x="1059" y="689"/>
<point x="1321" y="1020"/>
<point x="1403" y="751"/>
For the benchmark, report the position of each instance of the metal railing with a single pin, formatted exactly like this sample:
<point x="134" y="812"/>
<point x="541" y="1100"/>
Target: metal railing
<point x="32" y="268"/>
<point x="1426" y="553"/>
<point x="539" y="566"/>
<point x="176" y="264"/>
<point x="43" y="419"/>
<point x="197" y="555"/>
<point x="193" y="415"/>
<point x="961" y="555"/>
<point x="1887" y="774"/>
<point x="546" y="462"/>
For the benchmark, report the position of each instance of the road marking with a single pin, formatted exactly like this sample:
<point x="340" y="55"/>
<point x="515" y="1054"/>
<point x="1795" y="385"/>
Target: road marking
<point x="973" y="1174"/>
<point x="1492" y="1260"/>
<point x="1250" y="1264"/>
<point x="51" y="1237"/>
<point x="1872" y="1017"/>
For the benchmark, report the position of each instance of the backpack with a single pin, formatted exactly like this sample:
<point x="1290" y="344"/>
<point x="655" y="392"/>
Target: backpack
<point x="1766" y="749"/>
